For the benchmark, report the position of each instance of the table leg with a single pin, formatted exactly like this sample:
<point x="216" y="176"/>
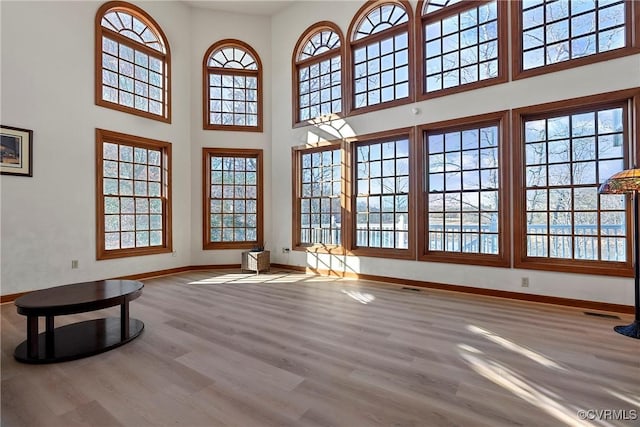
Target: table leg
<point x="124" y="320"/>
<point x="49" y="336"/>
<point x="32" y="337"/>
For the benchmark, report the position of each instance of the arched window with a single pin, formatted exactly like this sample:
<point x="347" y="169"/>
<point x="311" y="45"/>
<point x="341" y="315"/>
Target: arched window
<point x="381" y="55"/>
<point x="318" y="72"/>
<point x="464" y="45"/>
<point x="132" y="62"/>
<point x="232" y="87"/>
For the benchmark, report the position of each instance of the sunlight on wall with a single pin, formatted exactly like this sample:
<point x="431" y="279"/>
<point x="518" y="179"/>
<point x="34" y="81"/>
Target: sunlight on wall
<point x="329" y="128"/>
<point x="510" y="345"/>
<point x="338" y="264"/>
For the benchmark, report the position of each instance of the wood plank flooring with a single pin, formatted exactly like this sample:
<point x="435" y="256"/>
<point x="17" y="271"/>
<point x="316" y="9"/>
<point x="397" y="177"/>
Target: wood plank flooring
<point x="222" y="348"/>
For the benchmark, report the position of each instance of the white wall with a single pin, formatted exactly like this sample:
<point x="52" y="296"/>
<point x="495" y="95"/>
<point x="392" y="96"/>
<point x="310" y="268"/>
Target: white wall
<point x="47" y="85"/>
<point x="208" y="27"/>
<point x="289" y="24"/>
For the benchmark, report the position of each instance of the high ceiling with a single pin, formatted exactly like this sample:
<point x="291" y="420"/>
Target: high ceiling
<point x="254" y="7"/>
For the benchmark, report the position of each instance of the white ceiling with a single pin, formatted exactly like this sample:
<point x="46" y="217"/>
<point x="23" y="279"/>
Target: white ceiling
<point x="254" y="7"/>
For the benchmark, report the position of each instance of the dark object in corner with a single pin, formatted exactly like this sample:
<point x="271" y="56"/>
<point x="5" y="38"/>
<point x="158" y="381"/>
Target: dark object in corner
<point x="257" y="249"/>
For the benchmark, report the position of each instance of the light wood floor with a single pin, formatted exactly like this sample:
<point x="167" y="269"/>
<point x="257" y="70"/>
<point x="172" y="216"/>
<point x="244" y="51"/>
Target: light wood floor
<point x="285" y="349"/>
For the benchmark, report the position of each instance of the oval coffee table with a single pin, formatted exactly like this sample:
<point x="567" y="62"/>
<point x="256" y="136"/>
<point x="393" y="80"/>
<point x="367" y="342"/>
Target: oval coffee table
<point x="81" y="339"/>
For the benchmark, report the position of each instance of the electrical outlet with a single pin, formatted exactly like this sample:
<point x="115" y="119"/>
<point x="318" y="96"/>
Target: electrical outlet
<point x="74" y="263"/>
<point x="286" y="250"/>
<point x="525" y="282"/>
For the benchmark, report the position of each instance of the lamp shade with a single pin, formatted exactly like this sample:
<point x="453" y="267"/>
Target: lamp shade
<point x="626" y="181"/>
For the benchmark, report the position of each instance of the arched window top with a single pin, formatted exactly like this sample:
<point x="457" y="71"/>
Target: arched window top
<point x="232" y="89"/>
<point x="133" y="62"/>
<point x="232" y="56"/>
<point x="319" y="72"/>
<point x="133" y="26"/>
<point x="380" y="18"/>
<point x="435" y="5"/>
<point x="322" y="40"/>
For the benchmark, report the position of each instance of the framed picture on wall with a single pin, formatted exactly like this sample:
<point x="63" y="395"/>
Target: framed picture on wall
<point x="16" y="151"/>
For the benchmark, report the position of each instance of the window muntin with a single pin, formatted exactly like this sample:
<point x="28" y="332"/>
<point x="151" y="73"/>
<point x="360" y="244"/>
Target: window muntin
<point x="463" y="190"/>
<point x="461" y="48"/>
<point x="233" y="85"/>
<point x="566" y="157"/>
<point x="319" y="74"/>
<point x="381" y="194"/>
<point x="381" y="65"/>
<point x="233" y="198"/>
<point x="436" y="5"/>
<point x="562" y="30"/>
<point x="130" y="26"/>
<point x="320" y="42"/>
<point x="381" y="18"/>
<point x="134" y="202"/>
<point x="132" y="62"/>
<point x="319" y="198"/>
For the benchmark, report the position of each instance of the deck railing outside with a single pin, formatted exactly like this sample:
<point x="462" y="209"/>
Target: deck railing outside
<point x="473" y="239"/>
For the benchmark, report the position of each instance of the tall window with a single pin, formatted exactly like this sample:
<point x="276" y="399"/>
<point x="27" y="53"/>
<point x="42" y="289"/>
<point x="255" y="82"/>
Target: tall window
<point x="134" y="195"/>
<point x="380" y="199"/>
<point x="132" y="62"/>
<point x="233" y="188"/>
<point x="232" y="87"/>
<point x="318" y="64"/>
<point x="566" y="155"/>
<point x="381" y="51"/>
<point x="317" y="206"/>
<point x="550" y="33"/>
<point x="464" y="45"/>
<point x="463" y="191"/>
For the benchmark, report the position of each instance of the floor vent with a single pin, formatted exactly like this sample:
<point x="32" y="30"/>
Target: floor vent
<point x="410" y="289"/>
<point x="608" y="316"/>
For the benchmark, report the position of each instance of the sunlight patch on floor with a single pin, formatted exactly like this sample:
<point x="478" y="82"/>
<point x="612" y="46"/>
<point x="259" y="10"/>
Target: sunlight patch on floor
<point x="504" y="377"/>
<point x="250" y="278"/>
<point x="629" y="398"/>
<point x="323" y="279"/>
<point x="510" y="345"/>
<point x="359" y="296"/>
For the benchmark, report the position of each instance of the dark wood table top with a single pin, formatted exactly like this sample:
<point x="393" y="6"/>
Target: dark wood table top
<point x="78" y="297"/>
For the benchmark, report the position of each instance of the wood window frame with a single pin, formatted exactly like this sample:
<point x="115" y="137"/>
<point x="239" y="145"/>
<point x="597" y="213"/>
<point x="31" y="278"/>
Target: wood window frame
<point x="207" y="153"/>
<point x="632" y="36"/>
<point x="103" y="136"/>
<point x="296" y="161"/>
<point x="350" y="181"/>
<point x="503" y="50"/>
<point x="166" y="58"/>
<point x="631" y="99"/>
<point x="349" y="84"/>
<point x="503" y="258"/>
<point x="296" y="64"/>
<point x="206" y="70"/>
